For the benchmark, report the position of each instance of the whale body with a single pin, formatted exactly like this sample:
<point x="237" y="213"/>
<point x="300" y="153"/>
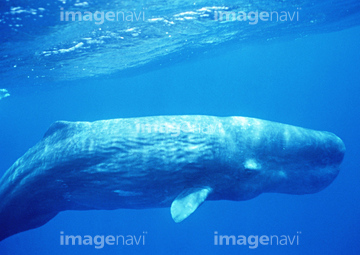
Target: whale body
<point x="162" y="161"/>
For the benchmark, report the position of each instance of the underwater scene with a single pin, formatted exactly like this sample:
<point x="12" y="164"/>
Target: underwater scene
<point x="179" y="127"/>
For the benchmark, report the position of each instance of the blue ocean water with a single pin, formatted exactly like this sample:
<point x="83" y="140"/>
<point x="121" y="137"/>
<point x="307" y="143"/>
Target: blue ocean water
<point x="310" y="81"/>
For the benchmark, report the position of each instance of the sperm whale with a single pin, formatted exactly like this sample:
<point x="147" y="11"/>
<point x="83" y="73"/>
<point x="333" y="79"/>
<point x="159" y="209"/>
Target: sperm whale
<point x="162" y="161"/>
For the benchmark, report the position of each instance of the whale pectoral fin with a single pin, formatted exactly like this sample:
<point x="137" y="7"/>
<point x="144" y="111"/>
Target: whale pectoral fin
<point x="187" y="202"/>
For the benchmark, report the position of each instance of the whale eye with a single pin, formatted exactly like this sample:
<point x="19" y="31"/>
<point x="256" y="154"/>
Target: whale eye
<point x="252" y="164"/>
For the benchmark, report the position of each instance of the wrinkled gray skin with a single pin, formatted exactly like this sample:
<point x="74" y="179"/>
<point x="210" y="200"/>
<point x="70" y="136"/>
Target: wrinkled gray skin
<point x="147" y="162"/>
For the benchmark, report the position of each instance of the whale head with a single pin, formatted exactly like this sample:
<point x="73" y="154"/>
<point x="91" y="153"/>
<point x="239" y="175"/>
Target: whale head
<point x="277" y="158"/>
<point x="309" y="167"/>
